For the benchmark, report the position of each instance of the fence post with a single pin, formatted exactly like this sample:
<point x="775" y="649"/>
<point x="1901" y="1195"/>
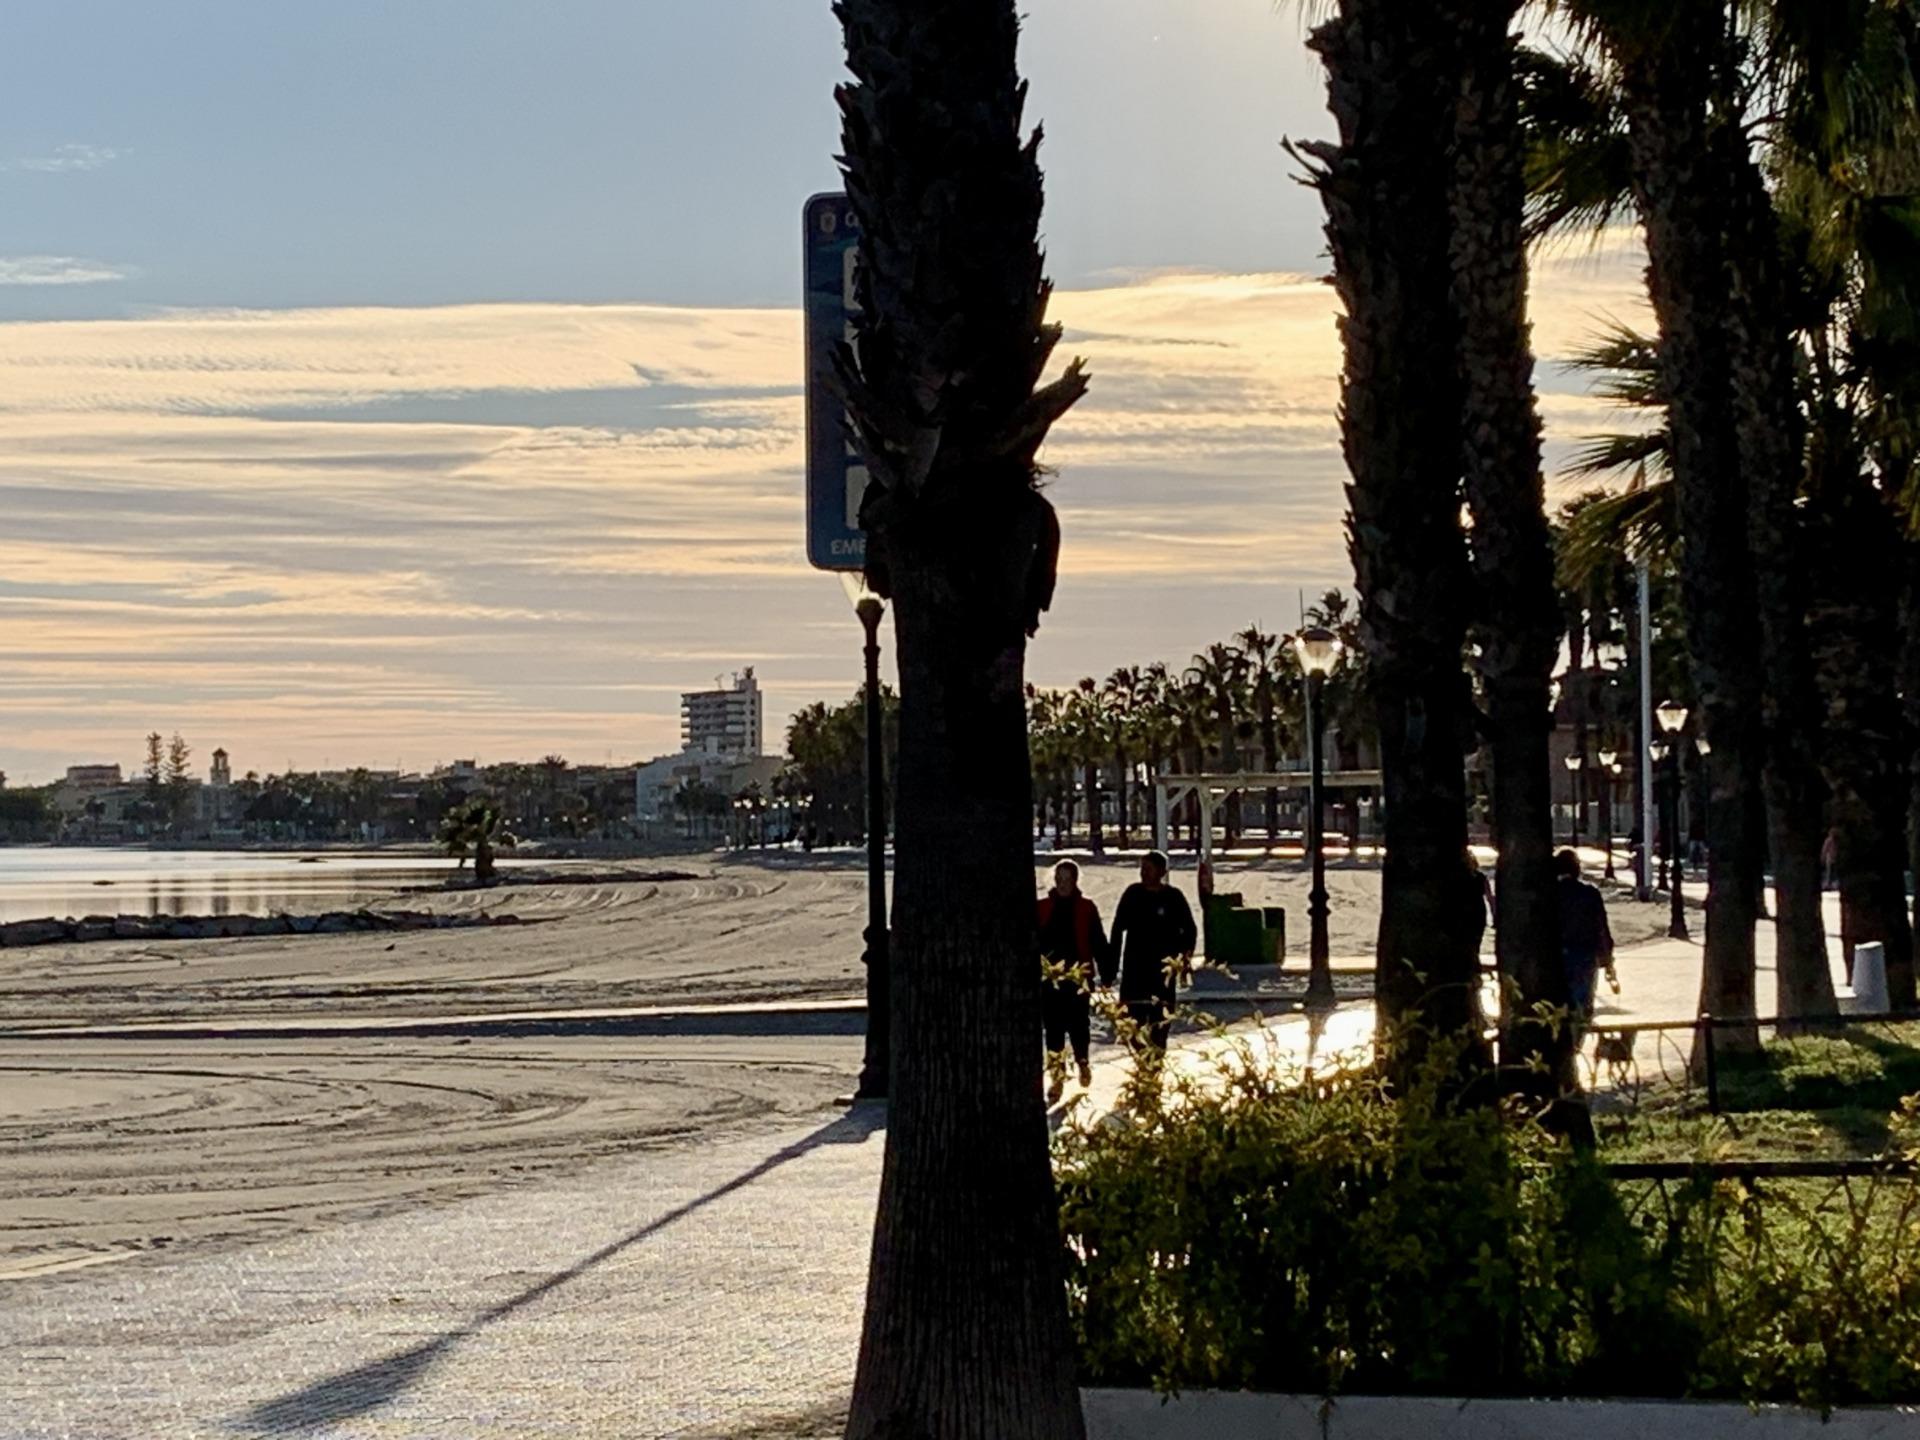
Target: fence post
<point x="1713" y="1069"/>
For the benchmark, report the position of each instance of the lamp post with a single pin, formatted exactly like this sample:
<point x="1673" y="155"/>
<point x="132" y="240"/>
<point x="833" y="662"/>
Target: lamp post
<point x="1673" y="718"/>
<point x="1657" y="752"/>
<point x="1318" y="651"/>
<point x="1574" y="762"/>
<point x="1609" y="772"/>
<point x="875" y="1065"/>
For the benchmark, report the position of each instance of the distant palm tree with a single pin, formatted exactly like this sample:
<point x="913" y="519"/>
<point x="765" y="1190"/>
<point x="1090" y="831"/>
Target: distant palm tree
<point x="1260" y="658"/>
<point x="475" y="828"/>
<point x="1123" y="695"/>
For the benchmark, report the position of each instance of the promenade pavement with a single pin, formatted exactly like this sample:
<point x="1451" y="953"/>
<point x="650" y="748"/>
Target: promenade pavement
<point x="702" y="1290"/>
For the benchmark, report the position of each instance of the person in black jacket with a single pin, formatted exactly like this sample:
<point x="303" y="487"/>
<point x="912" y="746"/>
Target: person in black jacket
<point x="1153" y="939"/>
<point x="1070" y="935"/>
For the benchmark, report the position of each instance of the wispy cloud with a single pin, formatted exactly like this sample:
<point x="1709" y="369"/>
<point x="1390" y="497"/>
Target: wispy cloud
<point x="64" y="159"/>
<point x="507" y="529"/>
<point x="56" y="270"/>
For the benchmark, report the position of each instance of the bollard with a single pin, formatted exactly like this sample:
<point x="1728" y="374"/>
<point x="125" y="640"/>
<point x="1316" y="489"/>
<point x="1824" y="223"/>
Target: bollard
<point x="1870" y="978"/>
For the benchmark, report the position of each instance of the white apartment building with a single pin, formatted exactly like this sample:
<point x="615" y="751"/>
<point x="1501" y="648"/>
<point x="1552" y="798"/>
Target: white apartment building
<point x="723" y="722"/>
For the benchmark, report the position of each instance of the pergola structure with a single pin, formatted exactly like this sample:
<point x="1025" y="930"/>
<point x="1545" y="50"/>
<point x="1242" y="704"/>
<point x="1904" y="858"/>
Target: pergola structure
<point x="1170" y="790"/>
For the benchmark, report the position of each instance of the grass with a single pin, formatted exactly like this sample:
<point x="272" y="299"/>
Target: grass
<point x="1827" y="1096"/>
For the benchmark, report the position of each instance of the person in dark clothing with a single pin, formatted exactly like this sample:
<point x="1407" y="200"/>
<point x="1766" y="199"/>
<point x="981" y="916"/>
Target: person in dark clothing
<point x="1586" y="940"/>
<point x="1153" y="938"/>
<point x="1070" y="935"/>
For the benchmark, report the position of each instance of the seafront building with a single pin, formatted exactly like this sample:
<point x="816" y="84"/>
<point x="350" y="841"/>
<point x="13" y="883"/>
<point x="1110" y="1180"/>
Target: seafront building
<point x="726" y="722"/>
<point x="721" y="738"/>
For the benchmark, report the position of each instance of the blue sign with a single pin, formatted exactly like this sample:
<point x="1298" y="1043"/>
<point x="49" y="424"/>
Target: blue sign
<point x="836" y="475"/>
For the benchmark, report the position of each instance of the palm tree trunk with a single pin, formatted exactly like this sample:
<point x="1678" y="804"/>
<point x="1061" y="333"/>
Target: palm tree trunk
<point x="1909" y="662"/>
<point x="1518" y="630"/>
<point x="966" y="1329"/>
<point x="965" y="1296"/>
<point x="1120" y="778"/>
<point x="1665" y="88"/>
<point x="1864" y="744"/>
<point x="1767" y="410"/>
<point x="1091" y="779"/>
<point x="1385" y="189"/>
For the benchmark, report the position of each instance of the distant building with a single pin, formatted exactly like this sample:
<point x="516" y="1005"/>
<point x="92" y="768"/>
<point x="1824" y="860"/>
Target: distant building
<point x="93" y="777"/>
<point x="220" y="773"/>
<point x="726" y="723"/>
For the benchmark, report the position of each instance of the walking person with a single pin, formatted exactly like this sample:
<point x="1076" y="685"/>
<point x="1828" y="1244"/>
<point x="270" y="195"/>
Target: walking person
<point x="1586" y="940"/>
<point x="1153" y="939"/>
<point x="1070" y="936"/>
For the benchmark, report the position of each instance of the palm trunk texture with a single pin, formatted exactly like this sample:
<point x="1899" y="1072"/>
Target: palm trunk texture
<point x="1666" y="85"/>
<point x="1864" y="744"/>
<point x="966" y="1334"/>
<point x="1767" y="411"/>
<point x="1385" y="188"/>
<point x="1518" y="621"/>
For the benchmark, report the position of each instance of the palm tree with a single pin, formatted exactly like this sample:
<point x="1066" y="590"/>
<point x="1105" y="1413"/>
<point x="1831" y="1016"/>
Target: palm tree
<point x="1386" y="189"/>
<point x="1666" y="62"/>
<point x="1513" y="631"/>
<point x="1122" y="699"/>
<point x="476" y="829"/>
<point x="1092" y="743"/>
<point x="966" y="1324"/>
<point x="1834" y="88"/>
<point x="1258" y="653"/>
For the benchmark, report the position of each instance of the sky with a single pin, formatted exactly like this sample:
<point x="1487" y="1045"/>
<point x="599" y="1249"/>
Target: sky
<point x="388" y="384"/>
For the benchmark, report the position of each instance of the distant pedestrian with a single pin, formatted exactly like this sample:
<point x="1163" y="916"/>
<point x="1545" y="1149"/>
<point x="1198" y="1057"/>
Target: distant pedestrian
<point x="1153" y="939"/>
<point x="1480" y="883"/>
<point x="1586" y="940"/>
<point x="1070" y="936"/>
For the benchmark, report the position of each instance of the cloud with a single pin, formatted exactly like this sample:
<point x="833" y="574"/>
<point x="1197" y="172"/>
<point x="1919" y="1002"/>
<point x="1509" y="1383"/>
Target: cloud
<point x="65" y="159"/>
<point x="383" y="534"/>
<point x="56" y="270"/>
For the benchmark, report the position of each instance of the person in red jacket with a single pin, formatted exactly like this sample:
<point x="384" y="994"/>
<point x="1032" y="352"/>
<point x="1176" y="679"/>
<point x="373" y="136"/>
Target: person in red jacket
<point x="1070" y="935"/>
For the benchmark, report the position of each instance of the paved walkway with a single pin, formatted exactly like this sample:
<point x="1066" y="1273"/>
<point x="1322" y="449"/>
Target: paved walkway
<point x="695" y="1291"/>
<point x="685" y="1292"/>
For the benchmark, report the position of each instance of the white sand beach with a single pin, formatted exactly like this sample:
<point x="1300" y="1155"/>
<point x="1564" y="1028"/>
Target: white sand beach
<point x="111" y="1148"/>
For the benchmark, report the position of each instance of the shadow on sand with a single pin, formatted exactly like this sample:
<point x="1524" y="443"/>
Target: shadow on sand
<point x="367" y="1387"/>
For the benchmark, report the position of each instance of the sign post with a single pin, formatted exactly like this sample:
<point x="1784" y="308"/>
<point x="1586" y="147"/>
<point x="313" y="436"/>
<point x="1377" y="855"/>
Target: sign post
<point x="836" y="477"/>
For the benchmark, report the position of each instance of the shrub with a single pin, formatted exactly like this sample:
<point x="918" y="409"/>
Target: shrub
<point x="1258" y="1232"/>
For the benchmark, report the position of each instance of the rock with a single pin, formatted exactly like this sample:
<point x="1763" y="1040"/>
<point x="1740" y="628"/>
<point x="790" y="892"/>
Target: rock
<point x="96" y="927"/>
<point x="33" y="932"/>
<point x="194" y="927"/>
<point x="334" y="922"/>
<point x="270" y="925"/>
<point x="139" y="927"/>
<point x="303" y="924"/>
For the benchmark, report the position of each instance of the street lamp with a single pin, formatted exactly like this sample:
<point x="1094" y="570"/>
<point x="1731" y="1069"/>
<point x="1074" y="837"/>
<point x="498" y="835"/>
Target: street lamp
<point x="1657" y="751"/>
<point x="1318" y="651"/>
<point x="1574" y="762"/>
<point x="875" y="1065"/>
<point x="1609" y="772"/>
<point x="1673" y="718"/>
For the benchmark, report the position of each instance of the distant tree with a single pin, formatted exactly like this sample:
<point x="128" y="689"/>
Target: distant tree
<point x="156" y="769"/>
<point x="475" y="829"/>
<point x="178" y="783"/>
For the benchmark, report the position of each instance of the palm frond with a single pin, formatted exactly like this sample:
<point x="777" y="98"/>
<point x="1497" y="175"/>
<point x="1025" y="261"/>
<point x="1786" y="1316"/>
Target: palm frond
<point x="1578" y="169"/>
<point x="1600" y="530"/>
